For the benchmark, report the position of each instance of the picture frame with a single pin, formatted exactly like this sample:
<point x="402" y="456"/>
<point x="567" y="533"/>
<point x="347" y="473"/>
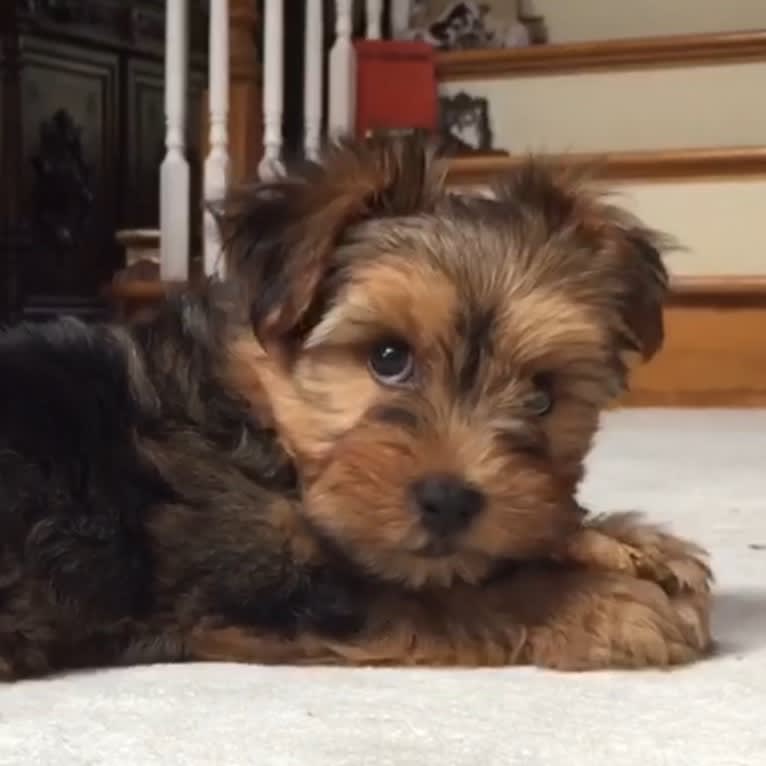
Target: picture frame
<point x="464" y="124"/>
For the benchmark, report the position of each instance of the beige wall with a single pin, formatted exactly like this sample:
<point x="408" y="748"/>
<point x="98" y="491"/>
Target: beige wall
<point x="717" y="224"/>
<point x="577" y="20"/>
<point x="571" y="20"/>
<point x="720" y="223"/>
<point x="684" y="107"/>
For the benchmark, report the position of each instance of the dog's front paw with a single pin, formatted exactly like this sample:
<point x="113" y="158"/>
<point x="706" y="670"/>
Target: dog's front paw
<point x="624" y="543"/>
<point x="606" y="620"/>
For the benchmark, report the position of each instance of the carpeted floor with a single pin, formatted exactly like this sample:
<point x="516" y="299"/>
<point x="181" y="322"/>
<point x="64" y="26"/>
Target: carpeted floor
<point x="703" y="472"/>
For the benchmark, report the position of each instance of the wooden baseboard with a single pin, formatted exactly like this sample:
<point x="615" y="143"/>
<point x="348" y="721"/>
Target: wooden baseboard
<point x="715" y="348"/>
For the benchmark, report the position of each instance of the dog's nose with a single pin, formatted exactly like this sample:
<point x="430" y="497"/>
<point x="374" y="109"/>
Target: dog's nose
<point x="446" y="504"/>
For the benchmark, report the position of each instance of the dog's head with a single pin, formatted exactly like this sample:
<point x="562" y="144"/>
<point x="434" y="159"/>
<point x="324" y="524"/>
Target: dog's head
<point x="436" y="364"/>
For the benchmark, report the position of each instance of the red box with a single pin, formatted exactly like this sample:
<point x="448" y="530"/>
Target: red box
<point x="395" y="86"/>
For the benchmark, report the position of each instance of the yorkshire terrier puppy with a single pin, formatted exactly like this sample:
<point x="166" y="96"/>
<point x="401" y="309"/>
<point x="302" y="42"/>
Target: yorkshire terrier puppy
<point x="363" y="449"/>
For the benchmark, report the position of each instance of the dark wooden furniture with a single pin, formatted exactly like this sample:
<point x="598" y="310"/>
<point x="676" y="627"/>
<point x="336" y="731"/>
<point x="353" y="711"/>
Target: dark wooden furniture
<point x="81" y="142"/>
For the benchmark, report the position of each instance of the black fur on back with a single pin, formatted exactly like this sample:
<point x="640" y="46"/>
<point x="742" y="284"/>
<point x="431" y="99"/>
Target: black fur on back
<point x="136" y="495"/>
<point x="74" y="483"/>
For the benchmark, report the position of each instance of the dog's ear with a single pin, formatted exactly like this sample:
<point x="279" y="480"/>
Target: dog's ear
<point x="644" y="285"/>
<point x="606" y="254"/>
<point x="279" y="237"/>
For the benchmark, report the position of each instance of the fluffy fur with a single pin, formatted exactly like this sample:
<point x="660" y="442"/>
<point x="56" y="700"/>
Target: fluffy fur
<point x="230" y="480"/>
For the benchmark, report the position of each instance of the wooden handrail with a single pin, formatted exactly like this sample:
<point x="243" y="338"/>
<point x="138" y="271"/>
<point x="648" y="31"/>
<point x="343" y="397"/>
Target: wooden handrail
<point x="667" y="50"/>
<point x="653" y="165"/>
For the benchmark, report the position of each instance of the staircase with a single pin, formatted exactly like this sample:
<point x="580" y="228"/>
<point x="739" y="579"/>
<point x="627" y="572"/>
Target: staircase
<point x="679" y="125"/>
<point x="672" y="101"/>
<point x="684" y="118"/>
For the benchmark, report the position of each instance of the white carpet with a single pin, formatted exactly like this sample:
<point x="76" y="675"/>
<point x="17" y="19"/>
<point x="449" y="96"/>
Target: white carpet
<point x="704" y="472"/>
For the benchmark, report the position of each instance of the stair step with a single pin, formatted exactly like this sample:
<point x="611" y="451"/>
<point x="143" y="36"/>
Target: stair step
<point x="654" y="165"/>
<point x="631" y="53"/>
<point x="618" y="95"/>
<point x="711" y="201"/>
<point x="599" y="20"/>
<point x="714" y="355"/>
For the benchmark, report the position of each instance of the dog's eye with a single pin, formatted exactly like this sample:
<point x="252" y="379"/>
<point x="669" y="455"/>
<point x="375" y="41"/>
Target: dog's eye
<point x="391" y="362"/>
<point x="540" y="401"/>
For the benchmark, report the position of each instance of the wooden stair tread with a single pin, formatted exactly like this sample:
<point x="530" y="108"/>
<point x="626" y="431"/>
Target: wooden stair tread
<point x="665" y="164"/>
<point x="711" y="289"/>
<point x="665" y="50"/>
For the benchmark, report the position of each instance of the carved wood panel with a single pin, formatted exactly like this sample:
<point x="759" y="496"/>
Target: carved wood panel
<point x="145" y="143"/>
<point x="69" y="121"/>
<point x="82" y="130"/>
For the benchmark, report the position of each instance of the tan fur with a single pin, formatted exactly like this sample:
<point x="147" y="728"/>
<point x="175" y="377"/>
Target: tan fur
<point x="544" y="280"/>
<point x="606" y="615"/>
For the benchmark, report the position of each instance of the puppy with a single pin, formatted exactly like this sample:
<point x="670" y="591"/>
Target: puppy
<point x="363" y="449"/>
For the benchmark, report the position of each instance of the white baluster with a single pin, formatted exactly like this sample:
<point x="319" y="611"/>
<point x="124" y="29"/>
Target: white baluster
<point x="217" y="162"/>
<point x="273" y="40"/>
<point x="374" y="12"/>
<point x="312" y="80"/>
<point x="401" y="16"/>
<point x="174" y="173"/>
<point x="342" y="74"/>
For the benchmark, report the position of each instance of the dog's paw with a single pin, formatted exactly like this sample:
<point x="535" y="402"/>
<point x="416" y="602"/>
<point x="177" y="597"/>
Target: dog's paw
<point x="624" y="543"/>
<point x="605" y="620"/>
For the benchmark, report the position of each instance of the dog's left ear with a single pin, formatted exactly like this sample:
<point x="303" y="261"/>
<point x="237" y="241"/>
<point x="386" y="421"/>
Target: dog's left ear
<point x="643" y="285"/>
<point x="607" y="254"/>
<point x="280" y="237"/>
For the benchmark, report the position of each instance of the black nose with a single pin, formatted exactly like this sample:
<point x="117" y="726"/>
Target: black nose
<point x="446" y="504"/>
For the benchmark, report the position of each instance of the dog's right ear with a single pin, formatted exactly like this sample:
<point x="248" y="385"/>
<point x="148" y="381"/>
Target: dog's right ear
<point x="255" y="223"/>
<point x="279" y="237"/>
